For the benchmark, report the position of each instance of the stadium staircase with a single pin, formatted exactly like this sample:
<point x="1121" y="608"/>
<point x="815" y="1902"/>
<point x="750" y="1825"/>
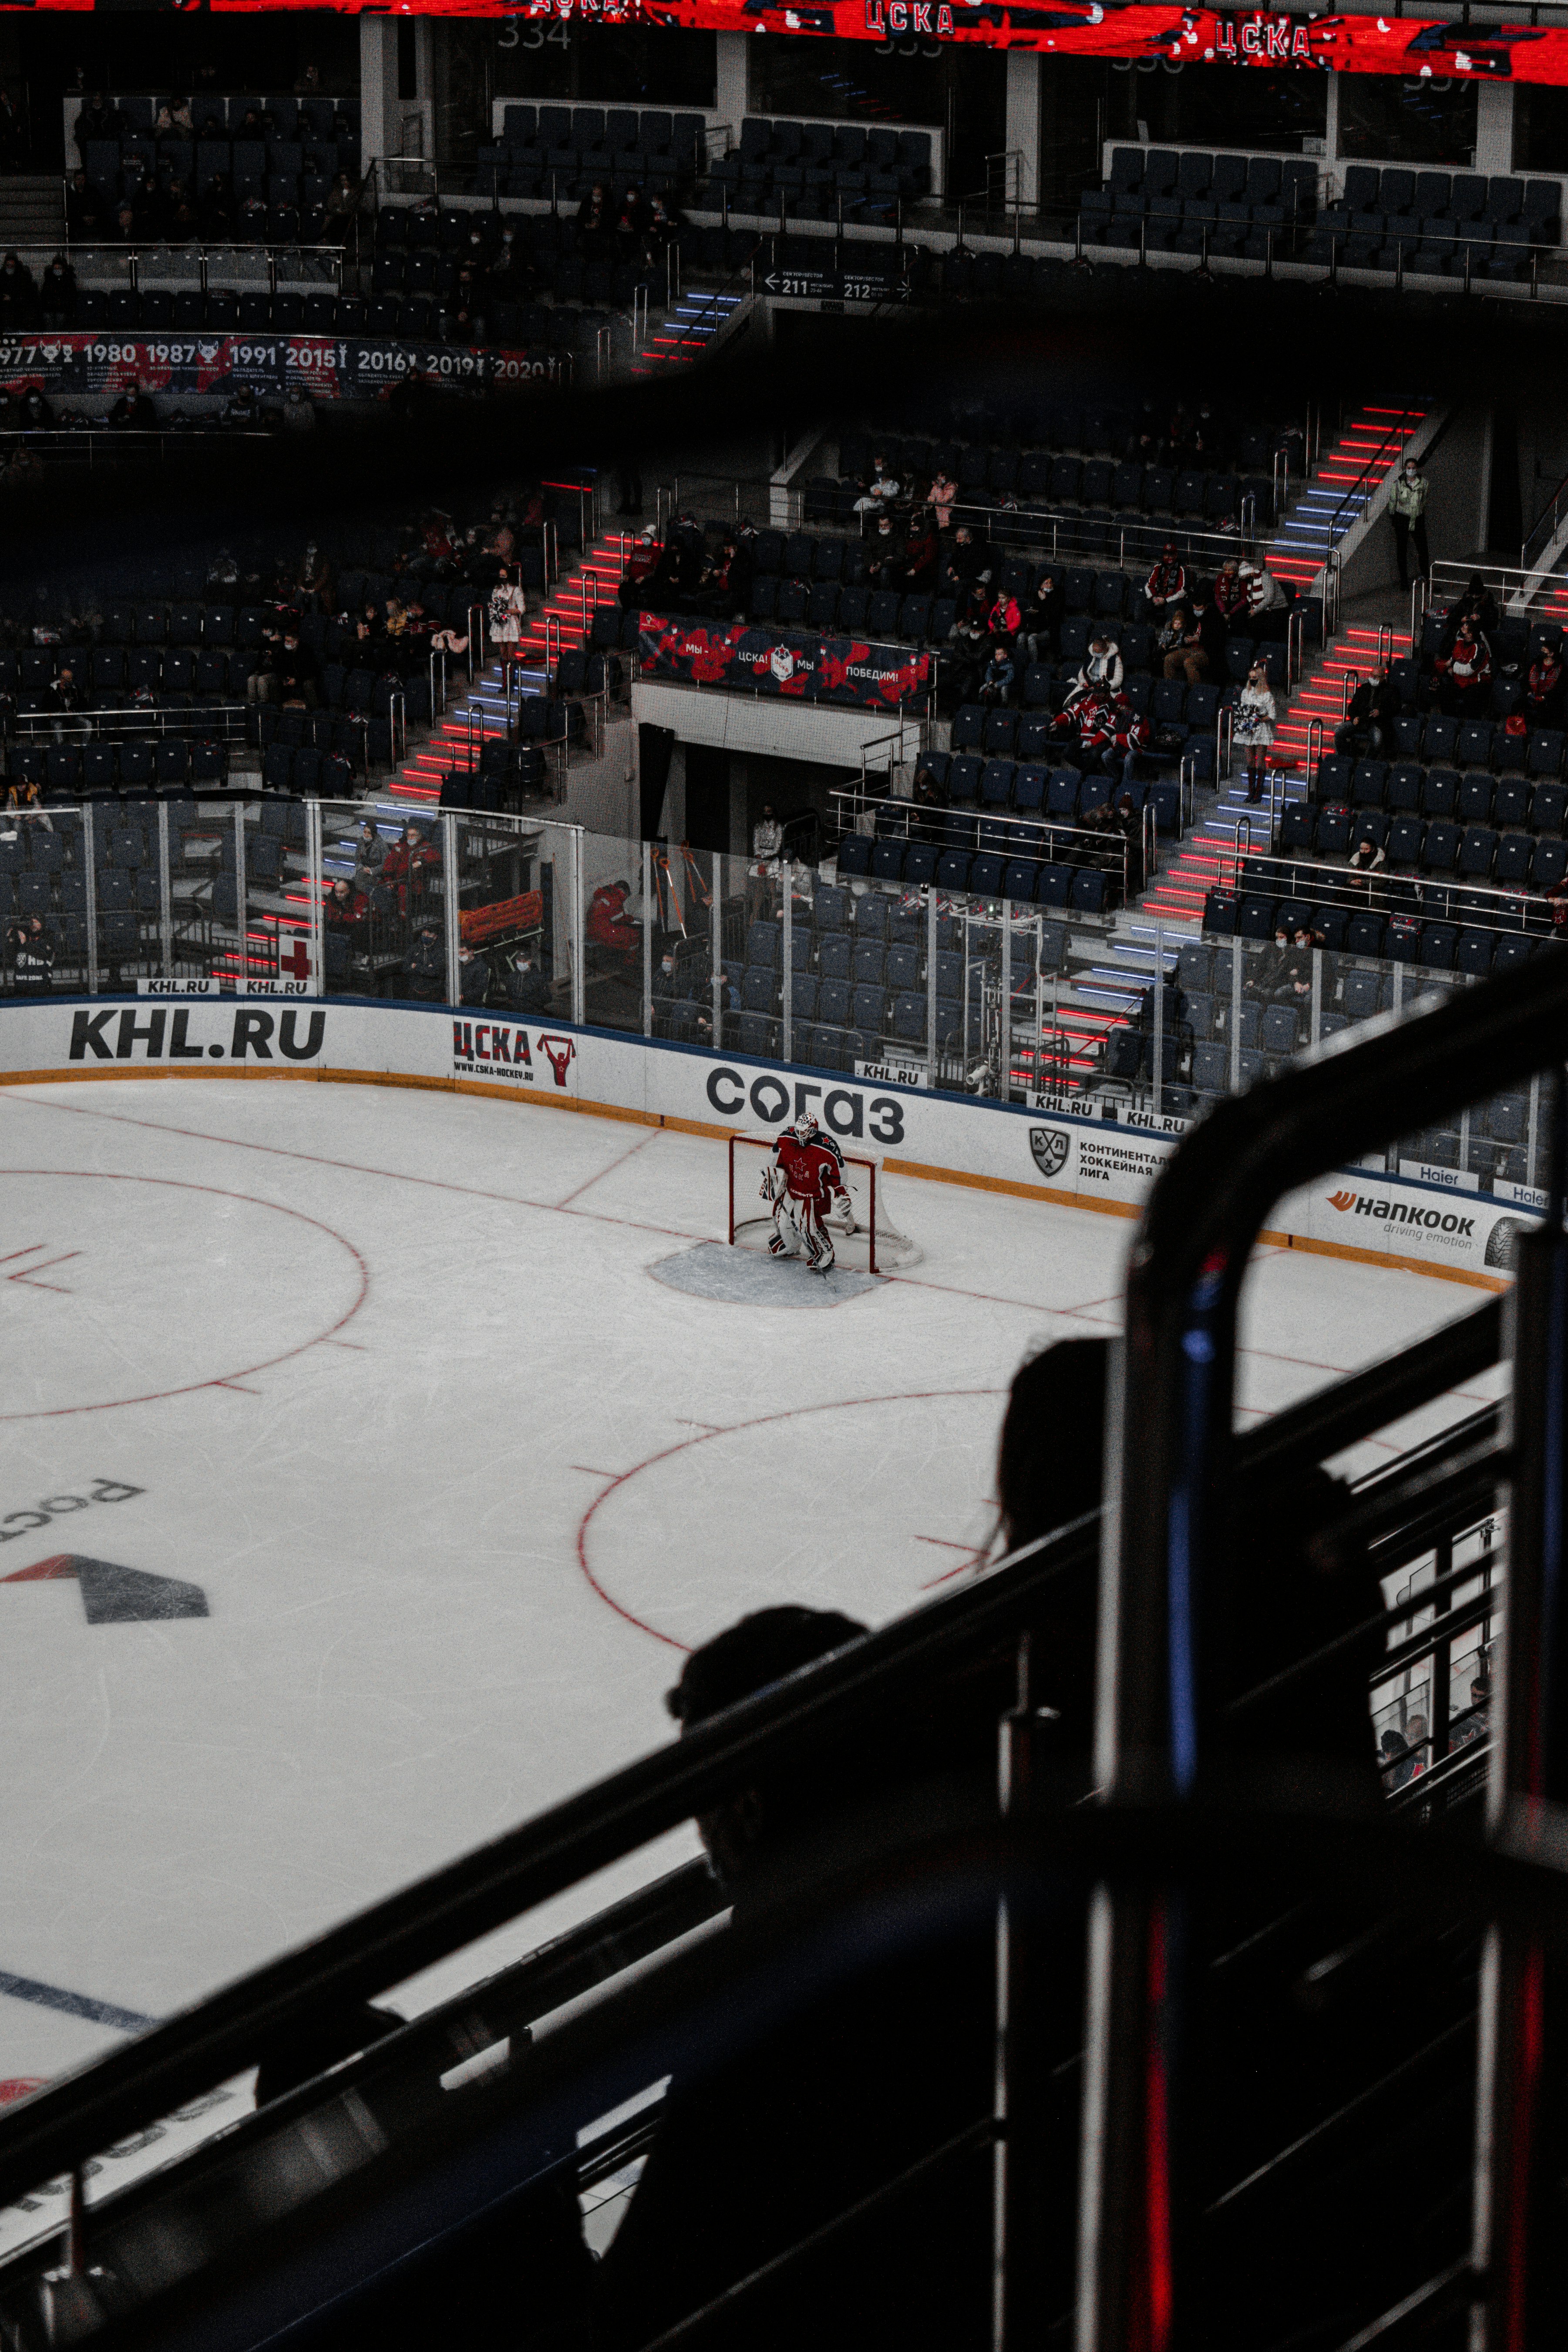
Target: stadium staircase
<point x="560" y="625"/>
<point x="32" y="210"/>
<point x="693" y="326"/>
<point x="1350" y="474"/>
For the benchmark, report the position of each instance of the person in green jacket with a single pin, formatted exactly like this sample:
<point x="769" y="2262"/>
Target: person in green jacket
<point x="1407" y="506"/>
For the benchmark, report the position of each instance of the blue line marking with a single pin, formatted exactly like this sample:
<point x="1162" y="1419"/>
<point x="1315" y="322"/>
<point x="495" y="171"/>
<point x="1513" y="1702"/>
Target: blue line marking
<point x="75" y="2004"/>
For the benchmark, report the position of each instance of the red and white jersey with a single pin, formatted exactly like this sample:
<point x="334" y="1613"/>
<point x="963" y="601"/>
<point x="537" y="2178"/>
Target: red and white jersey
<point x="811" y="1172"/>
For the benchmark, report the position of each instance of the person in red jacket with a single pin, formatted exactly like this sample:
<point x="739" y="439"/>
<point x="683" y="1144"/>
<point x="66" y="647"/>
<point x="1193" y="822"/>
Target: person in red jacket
<point x="1464" y="673"/>
<point x="607" y="928"/>
<point x="408" y="864"/>
<point x="1167" y="583"/>
<point x="344" y="907"/>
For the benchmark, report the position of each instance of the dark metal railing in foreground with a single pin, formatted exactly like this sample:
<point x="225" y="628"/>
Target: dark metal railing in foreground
<point x="60" y="2129"/>
<point x="1171" y="1587"/>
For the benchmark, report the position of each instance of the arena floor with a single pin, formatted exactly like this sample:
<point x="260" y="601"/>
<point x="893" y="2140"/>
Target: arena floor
<point x="454" y="1480"/>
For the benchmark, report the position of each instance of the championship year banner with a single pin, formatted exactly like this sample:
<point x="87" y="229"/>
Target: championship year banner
<point x="329" y="367"/>
<point x="793" y="662"/>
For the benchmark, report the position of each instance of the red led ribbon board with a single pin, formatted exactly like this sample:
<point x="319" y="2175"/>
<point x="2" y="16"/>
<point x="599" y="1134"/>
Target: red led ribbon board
<point x="1371" y="43"/>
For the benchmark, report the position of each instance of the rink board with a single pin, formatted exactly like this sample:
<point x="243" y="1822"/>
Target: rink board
<point x="1047" y="1153"/>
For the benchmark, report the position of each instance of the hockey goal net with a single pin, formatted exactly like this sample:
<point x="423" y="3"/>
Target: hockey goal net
<point x="872" y="1240"/>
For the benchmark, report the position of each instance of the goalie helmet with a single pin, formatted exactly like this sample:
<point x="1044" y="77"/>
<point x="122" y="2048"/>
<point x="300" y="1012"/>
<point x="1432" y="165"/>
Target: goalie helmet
<point x="805" y="1127"/>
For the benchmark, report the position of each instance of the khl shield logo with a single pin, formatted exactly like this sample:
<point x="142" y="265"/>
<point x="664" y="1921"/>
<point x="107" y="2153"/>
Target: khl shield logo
<point x="1050" y="1146"/>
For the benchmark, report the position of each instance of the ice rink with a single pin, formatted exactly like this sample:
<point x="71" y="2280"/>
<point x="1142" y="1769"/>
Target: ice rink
<point x="454" y="1479"/>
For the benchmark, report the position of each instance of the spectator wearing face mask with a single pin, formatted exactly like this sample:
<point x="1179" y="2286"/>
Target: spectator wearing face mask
<point x="18" y="295"/>
<point x="1407" y="513"/>
<point x="881" y="487"/>
<point x="56" y="293"/>
<point x="527" y="990"/>
<point x="1101" y="665"/>
<point x="1167" y="583"/>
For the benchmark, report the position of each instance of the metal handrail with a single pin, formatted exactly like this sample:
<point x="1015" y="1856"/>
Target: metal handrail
<point x="1379" y="893"/>
<point x="1173" y="1456"/>
<point x="392" y="1940"/>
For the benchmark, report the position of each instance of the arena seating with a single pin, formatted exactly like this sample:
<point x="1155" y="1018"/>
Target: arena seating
<point x="1066" y="459"/>
<point x="1171" y="199"/>
<point x="808" y="169"/>
<point x="283" y="153"/>
<point x="1437" y="223"/>
<point x="565" y="150"/>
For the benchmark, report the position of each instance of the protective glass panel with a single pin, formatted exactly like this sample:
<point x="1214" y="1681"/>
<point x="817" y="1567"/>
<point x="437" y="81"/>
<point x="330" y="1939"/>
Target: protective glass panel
<point x="514" y="894"/>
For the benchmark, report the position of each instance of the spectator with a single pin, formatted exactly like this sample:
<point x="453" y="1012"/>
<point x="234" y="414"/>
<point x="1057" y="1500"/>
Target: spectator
<point x="66" y="703"/>
<point x="32" y="957"/>
<point x="971" y="652"/>
<point x="1167" y="585"/>
<point x="1475" y="1725"/>
<point x="1265" y="602"/>
<point x="369" y="857"/>
<point x="1407" y="512"/>
<point x="1045" y="607"/>
<point x="1398" y="1764"/>
<point x="505" y="612"/>
<point x="997" y="679"/>
<point x="299" y="672"/>
<point x="1416" y="1740"/>
<point x="879" y="489"/>
<point x="473" y="975"/>
<point x="345" y="909"/>
<point x="84" y="211"/>
<point x="297" y="413"/>
<point x="1188" y="657"/>
<point x="1369" y="718"/>
<point x="1264" y="969"/>
<point x="1477" y="605"/>
<point x="56" y="293"/>
<point x="425" y="965"/>
<point x="1544" y="687"/>
<point x="662" y="228"/>
<point x="943" y="498"/>
<point x="761" y="2146"/>
<point x="313" y="582"/>
<point x="527" y="990"/>
<point x="1230" y="593"/>
<point x="1253" y="727"/>
<point x="767" y="844"/>
<point x="921" y="549"/>
<point x="595" y="222"/>
<point x="308" y="84"/>
<point x="1101" y="665"/>
<point x="408" y="866"/>
<point x="963" y="565"/>
<point x="1293" y="982"/>
<point x="1003" y="619"/>
<point x="239" y="411"/>
<point x="133" y="411"/>
<point x="1365" y="857"/>
<point x="174" y="120"/>
<point x="885" y="556"/>
<point x="1131" y="739"/>
<point x="18" y="295"/>
<point x="732" y="577"/>
<point x="607" y="928"/>
<point x="1464" y="673"/>
<point x="98" y="120"/>
<point x="341" y="210"/>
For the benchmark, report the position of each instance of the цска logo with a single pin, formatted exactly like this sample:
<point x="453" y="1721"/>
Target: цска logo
<point x="1050" y="1146"/>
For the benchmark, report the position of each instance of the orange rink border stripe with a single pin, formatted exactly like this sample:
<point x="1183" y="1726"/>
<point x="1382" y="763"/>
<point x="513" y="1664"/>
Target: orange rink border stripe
<point x="720" y="1134"/>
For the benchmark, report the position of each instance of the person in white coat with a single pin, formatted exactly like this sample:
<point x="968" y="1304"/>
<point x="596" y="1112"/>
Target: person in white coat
<point x="503" y="617"/>
<point x="1253" y="728"/>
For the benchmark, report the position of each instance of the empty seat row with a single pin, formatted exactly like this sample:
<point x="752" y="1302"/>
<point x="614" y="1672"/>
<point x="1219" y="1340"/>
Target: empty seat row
<point x="1396" y="939"/>
<point x="309" y="117"/>
<point x="1164" y="171"/>
<point x="1472" y="796"/>
<point x="66" y="769"/>
<point x="1106" y="429"/>
<point x="986" y="874"/>
<point x="1513" y="860"/>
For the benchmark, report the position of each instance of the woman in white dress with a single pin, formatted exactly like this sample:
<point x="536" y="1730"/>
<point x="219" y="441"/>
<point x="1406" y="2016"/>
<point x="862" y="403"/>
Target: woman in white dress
<point x="507" y="606"/>
<point x="1253" y="730"/>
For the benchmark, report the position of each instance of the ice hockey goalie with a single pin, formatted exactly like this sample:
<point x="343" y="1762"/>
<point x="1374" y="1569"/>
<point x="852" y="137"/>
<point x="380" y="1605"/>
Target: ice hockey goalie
<point x="805" y="1181"/>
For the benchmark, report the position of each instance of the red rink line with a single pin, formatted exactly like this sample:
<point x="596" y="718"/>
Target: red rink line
<point x="632" y="1224"/>
<point x="227" y="1379"/>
